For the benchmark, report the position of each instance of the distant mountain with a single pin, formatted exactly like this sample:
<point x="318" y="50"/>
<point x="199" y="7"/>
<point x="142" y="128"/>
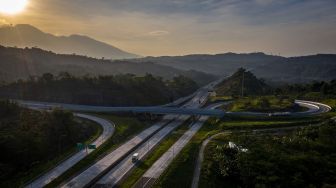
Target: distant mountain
<point x="218" y="64"/>
<point x="242" y="82"/>
<point x="320" y="67"/>
<point x="272" y="68"/>
<point x="24" y="35"/>
<point x="17" y="63"/>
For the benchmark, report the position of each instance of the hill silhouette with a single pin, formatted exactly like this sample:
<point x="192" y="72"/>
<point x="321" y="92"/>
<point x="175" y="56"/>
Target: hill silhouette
<point x="17" y="63"/>
<point x="272" y="68"/>
<point x="24" y="35"/>
<point x="241" y="83"/>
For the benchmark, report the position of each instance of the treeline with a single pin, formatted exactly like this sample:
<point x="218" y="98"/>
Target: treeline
<point x="29" y="138"/>
<point x="119" y="90"/>
<point x="305" y="158"/>
<point x="314" y="89"/>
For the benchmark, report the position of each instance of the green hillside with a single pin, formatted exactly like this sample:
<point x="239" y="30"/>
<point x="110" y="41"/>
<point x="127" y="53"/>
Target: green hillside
<point x="240" y="83"/>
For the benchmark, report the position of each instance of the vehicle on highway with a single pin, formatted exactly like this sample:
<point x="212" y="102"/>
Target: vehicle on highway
<point x="135" y="157"/>
<point x="279" y="114"/>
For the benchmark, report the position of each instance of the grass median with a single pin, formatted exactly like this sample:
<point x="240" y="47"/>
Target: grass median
<point x="154" y="156"/>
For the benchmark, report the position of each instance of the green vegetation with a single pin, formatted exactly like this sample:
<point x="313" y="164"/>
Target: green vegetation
<point x="126" y="127"/>
<point x="264" y="124"/>
<point x="143" y="166"/>
<point x="263" y="104"/>
<point x="220" y="98"/>
<point x="241" y="83"/>
<point x="180" y="172"/>
<point x="120" y="90"/>
<point x="312" y="91"/>
<point x="33" y="141"/>
<point x="304" y="158"/>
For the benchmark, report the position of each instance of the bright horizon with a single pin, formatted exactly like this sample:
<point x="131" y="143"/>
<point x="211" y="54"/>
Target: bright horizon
<point x="180" y="27"/>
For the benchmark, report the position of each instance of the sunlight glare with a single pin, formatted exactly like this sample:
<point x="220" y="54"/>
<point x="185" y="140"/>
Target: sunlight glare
<point x="12" y="6"/>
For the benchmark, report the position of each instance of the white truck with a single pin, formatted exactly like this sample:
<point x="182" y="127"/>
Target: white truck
<point x="135" y="157"/>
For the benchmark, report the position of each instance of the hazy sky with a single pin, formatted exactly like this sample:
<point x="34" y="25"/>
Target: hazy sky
<point x="177" y="27"/>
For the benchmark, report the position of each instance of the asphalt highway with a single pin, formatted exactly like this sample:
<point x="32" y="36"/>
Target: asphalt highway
<point x="112" y="168"/>
<point x="155" y="171"/>
<point x="108" y="169"/>
<point x="108" y="130"/>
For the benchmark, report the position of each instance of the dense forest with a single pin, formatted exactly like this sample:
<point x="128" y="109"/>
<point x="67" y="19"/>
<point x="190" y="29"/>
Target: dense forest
<point x="28" y="138"/>
<point x="305" y="158"/>
<point x="119" y="90"/>
<point x="313" y="90"/>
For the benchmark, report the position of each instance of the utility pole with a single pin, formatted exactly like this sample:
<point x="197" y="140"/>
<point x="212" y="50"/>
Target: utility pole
<point x="243" y="84"/>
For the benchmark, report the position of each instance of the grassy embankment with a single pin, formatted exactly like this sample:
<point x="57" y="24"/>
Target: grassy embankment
<point x="263" y="104"/>
<point x="301" y="158"/>
<point x="180" y="172"/>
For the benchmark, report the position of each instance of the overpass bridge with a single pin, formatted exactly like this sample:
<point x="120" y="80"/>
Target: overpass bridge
<point x="151" y="109"/>
<point x="314" y="108"/>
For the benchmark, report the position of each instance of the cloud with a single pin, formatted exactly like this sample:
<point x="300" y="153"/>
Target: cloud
<point x="158" y="33"/>
<point x="264" y="2"/>
<point x="168" y="27"/>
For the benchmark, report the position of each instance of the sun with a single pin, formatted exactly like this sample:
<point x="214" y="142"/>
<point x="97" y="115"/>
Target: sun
<point x="12" y="6"/>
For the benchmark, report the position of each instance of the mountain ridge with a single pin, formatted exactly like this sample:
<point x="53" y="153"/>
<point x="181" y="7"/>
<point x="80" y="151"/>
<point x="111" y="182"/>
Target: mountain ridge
<point x="19" y="63"/>
<point x="271" y="67"/>
<point x="25" y="35"/>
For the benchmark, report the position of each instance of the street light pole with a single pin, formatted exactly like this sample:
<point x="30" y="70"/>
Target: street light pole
<point x="243" y="84"/>
<point x="148" y="145"/>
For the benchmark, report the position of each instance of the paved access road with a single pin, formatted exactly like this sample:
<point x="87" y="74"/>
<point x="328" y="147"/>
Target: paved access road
<point x="108" y="130"/>
<point x="198" y="167"/>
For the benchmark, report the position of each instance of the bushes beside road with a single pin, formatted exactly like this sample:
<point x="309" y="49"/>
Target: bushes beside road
<point x="304" y="158"/>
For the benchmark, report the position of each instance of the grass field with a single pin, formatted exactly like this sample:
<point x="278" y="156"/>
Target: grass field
<point x="126" y="127"/>
<point x="253" y="124"/>
<point x="263" y="104"/>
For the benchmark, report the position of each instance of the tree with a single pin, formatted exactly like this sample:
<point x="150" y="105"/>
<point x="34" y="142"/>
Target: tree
<point x="47" y="77"/>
